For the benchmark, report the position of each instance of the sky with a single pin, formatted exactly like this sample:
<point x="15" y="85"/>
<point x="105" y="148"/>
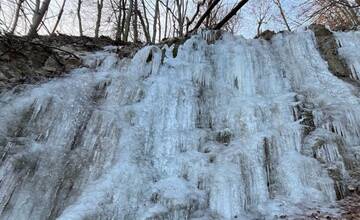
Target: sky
<point x="249" y="23"/>
<point x="69" y="23"/>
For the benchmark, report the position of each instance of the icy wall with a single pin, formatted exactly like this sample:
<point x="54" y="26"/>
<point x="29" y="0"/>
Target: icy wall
<point x="235" y="129"/>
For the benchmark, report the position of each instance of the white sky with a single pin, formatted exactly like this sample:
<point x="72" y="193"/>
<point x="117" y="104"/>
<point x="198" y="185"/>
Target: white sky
<point x="69" y="23"/>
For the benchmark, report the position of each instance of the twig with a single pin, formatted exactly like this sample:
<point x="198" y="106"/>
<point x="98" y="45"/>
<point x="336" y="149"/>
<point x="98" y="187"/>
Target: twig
<point x="205" y="15"/>
<point x="231" y="14"/>
<point x="56" y="48"/>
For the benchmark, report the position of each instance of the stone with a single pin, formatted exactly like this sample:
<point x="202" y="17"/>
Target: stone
<point x="72" y="63"/>
<point x="351" y="188"/>
<point x="224" y="136"/>
<point x="267" y="35"/>
<point x="329" y="51"/>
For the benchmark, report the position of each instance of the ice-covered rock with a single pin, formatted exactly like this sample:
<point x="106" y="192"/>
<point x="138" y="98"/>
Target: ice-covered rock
<point x="227" y="129"/>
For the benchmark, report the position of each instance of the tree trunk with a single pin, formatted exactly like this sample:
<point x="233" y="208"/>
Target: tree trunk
<point x="194" y="16"/>
<point x="207" y="20"/>
<point x="145" y="16"/>
<point x="282" y="13"/>
<point x="230" y="14"/>
<point x="100" y="4"/>
<point x="38" y="18"/>
<point x="36" y="10"/>
<point x="59" y="17"/>
<point x="258" y="29"/>
<point x="155" y="20"/>
<point x="79" y="17"/>
<point x="128" y="20"/>
<point x="159" y="28"/>
<point x="135" y="22"/>
<point x="179" y="17"/>
<point x="166" y="19"/>
<point x="17" y="14"/>
<point x="353" y="15"/>
<point x="123" y="19"/>
<point x="119" y="22"/>
<point x="145" y="29"/>
<point x="205" y="15"/>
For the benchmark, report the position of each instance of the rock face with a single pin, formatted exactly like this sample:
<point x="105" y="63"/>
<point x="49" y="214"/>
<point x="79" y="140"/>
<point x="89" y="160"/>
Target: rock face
<point x="329" y="50"/>
<point x="231" y="129"/>
<point x="24" y="61"/>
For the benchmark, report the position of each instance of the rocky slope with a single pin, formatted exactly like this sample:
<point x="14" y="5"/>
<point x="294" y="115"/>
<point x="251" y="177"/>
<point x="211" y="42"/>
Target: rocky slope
<point x="24" y="61"/>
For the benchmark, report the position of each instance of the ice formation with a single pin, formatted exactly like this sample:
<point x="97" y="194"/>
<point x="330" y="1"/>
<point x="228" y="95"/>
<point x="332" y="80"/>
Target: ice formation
<point x="233" y="129"/>
<point x="349" y="47"/>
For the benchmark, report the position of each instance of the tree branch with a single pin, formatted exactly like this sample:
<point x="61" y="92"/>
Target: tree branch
<point x="230" y="14"/>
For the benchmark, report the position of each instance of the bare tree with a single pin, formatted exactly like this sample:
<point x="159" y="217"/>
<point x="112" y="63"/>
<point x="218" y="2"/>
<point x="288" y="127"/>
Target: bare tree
<point x="59" y="16"/>
<point x="261" y="10"/>
<point x="145" y="28"/>
<point x="333" y="13"/>
<point x="190" y="21"/>
<point x="231" y="14"/>
<point x="205" y="15"/>
<point x="180" y="17"/>
<point x="118" y="10"/>
<point x="38" y="17"/>
<point x="155" y="20"/>
<point x="79" y="17"/>
<point x="166" y="18"/>
<point x="36" y="9"/>
<point x="145" y="22"/>
<point x="159" y="26"/>
<point x="100" y="4"/>
<point x="135" y="22"/>
<point x="17" y="14"/>
<point x="128" y="20"/>
<point x="282" y="13"/>
<point x="142" y="20"/>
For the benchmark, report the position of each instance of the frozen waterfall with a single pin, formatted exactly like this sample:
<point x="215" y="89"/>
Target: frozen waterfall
<point x="233" y="129"/>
